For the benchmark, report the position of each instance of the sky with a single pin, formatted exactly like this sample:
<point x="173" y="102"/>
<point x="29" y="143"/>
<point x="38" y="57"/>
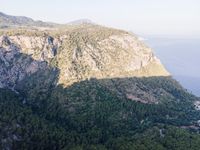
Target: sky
<point x="150" y="17"/>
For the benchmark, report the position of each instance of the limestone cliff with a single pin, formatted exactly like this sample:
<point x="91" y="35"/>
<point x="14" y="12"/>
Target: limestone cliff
<point x="80" y="52"/>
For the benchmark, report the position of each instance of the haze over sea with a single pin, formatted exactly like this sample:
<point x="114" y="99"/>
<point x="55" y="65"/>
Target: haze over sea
<point x="181" y="56"/>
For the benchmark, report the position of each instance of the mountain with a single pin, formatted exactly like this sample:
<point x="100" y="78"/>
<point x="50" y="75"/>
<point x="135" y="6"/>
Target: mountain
<point x="14" y="21"/>
<point x="81" y="21"/>
<point x="8" y="21"/>
<point x="86" y="86"/>
<point x="113" y="54"/>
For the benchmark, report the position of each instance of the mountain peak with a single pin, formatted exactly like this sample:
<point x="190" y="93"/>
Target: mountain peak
<point x="81" y="21"/>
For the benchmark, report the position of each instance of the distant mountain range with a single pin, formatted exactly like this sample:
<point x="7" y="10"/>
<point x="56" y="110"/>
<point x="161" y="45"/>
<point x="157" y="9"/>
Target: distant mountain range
<point x="13" y="21"/>
<point x="16" y="21"/>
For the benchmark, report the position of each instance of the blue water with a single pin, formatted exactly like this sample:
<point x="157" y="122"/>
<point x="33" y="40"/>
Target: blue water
<point x="181" y="57"/>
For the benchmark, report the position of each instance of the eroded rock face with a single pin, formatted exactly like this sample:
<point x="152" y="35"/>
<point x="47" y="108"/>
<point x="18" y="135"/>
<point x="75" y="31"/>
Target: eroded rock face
<point x="14" y="65"/>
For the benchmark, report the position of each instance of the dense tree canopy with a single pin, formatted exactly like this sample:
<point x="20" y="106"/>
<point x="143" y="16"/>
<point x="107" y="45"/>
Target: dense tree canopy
<point x="88" y="116"/>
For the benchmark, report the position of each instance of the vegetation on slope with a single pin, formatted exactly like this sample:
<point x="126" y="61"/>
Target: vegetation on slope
<point x="87" y="115"/>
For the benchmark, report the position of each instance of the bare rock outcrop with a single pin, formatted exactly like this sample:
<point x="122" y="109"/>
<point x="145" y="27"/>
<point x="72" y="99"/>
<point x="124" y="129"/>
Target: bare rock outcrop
<point x="14" y="65"/>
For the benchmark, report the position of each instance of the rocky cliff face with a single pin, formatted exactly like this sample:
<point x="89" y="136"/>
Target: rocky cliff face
<point x="15" y="65"/>
<point x="79" y="52"/>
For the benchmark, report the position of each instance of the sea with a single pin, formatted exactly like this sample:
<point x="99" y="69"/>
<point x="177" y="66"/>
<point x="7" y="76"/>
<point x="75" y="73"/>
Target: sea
<point x="181" y="57"/>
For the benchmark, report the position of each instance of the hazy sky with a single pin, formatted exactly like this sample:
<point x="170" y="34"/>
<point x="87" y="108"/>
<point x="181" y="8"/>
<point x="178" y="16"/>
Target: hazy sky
<point x="171" y="17"/>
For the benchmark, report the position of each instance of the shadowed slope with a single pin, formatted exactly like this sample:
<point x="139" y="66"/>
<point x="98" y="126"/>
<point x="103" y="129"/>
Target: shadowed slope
<point x="96" y="114"/>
